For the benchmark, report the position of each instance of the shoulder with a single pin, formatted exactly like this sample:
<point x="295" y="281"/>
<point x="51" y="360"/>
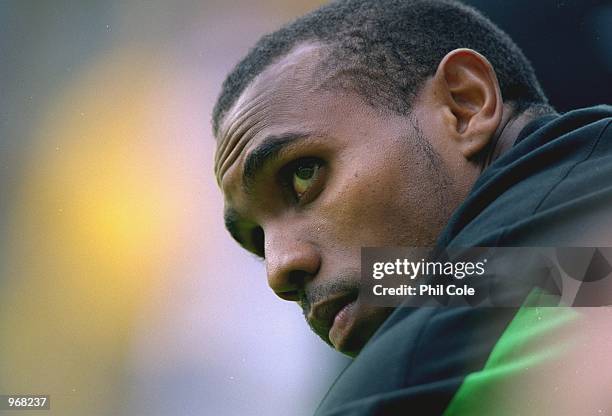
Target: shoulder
<point x="556" y="177"/>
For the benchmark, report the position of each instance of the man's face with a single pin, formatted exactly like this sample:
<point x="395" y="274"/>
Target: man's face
<point x="312" y="175"/>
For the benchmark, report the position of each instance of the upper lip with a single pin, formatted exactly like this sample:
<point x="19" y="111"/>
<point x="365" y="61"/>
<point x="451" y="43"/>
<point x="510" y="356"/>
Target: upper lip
<point x="323" y="312"/>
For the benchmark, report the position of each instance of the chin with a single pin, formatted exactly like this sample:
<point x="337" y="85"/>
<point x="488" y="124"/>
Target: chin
<point x="350" y="340"/>
<point x="353" y="345"/>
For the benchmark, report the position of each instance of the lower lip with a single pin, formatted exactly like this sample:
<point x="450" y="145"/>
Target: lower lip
<point x="341" y="323"/>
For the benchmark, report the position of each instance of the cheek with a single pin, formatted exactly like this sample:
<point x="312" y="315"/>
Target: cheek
<point x="392" y="205"/>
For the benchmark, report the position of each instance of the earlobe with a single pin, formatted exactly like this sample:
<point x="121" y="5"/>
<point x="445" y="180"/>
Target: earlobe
<point x="468" y="88"/>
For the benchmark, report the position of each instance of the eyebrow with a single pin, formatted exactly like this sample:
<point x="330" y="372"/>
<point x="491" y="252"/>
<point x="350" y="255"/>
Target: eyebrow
<point x="265" y="152"/>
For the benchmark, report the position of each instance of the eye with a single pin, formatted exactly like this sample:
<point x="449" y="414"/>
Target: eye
<point x="304" y="175"/>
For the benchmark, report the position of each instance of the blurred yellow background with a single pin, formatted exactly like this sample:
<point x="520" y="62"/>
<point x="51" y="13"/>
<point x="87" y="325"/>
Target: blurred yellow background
<point x="120" y="292"/>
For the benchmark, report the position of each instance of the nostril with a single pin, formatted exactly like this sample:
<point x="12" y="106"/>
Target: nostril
<point x="295" y="280"/>
<point x="291" y="295"/>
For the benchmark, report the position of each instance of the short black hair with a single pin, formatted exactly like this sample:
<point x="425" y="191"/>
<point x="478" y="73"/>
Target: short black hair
<point x="387" y="48"/>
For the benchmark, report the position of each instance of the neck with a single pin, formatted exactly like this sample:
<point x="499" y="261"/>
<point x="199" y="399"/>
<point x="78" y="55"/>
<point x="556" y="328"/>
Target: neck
<point x="506" y="134"/>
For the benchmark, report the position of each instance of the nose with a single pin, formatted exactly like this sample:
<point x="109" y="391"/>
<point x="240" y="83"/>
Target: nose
<point x="290" y="264"/>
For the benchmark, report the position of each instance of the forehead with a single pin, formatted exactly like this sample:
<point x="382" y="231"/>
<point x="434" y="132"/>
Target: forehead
<point x="292" y="73"/>
<point x="277" y="86"/>
<point x="286" y="97"/>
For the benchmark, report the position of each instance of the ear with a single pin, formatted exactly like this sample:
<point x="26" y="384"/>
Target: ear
<point x="467" y="89"/>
